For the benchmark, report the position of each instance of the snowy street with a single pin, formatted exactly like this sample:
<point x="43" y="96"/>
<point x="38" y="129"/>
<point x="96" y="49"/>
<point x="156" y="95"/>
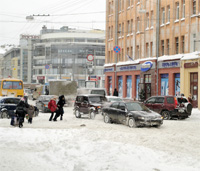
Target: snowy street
<point x="87" y="145"/>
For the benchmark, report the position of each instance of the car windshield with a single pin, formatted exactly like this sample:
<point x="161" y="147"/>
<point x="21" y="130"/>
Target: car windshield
<point x="47" y="98"/>
<point x="95" y="99"/>
<point x="136" y="107"/>
<point x="114" y="99"/>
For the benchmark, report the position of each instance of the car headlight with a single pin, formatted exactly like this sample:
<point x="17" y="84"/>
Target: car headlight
<point x="140" y="117"/>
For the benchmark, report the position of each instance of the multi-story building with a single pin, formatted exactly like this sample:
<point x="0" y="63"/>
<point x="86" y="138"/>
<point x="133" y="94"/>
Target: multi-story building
<point x="62" y="54"/>
<point x="159" y="50"/>
<point x="10" y="62"/>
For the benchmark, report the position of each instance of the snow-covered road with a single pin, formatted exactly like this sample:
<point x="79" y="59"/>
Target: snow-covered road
<point x="66" y="145"/>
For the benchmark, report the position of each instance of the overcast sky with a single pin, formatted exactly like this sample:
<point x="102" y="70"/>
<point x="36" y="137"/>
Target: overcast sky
<point x="80" y="14"/>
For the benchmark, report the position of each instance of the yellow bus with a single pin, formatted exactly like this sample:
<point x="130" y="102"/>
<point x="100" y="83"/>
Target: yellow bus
<point x="11" y="87"/>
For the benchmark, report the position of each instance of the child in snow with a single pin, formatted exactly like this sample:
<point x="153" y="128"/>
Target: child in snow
<point x="31" y="111"/>
<point x="52" y="106"/>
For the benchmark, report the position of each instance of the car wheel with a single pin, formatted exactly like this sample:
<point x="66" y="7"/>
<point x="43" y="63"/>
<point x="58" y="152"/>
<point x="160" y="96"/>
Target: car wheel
<point x="4" y="114"/>
<point x="106" y="118"/>
<point x="77" y="113"/>
<point x="166" y="114"/>
<point x="189" y="109"/>
<point x="92" y="114"/>
<point x="131" y="123"/>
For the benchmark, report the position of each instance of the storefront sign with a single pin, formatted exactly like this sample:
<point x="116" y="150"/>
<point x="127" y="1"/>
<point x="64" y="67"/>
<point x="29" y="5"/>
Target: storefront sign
<point x="171" y="64"/>
<point x="128" y="68"/>
<point x="40" y="77"/>
<point x="191" y="65"/>
<point x="109" y="69"/>
<point x="146" y="66"/>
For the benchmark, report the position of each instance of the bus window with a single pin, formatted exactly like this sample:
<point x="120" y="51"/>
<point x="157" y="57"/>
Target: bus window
<point x="12" y="85"/>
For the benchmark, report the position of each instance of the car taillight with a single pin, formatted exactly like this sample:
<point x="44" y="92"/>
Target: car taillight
<point x="175" y="102"/>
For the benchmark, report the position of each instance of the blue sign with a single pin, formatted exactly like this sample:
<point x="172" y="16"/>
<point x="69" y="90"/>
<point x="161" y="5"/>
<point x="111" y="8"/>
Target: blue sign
<point x="47" y="66"/>
<point x="146" y="66"/>
<point x="109" y="69"/>
<point x="127" y="68"/>
<point x="169" y="64"/>
<point x="117" y="49"/>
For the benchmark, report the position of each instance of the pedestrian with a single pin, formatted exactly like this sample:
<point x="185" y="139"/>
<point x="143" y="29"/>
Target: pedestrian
<point x="53" y="107"/>
<point x="60" y="110"/>
<point x="115" y="92"/>
<point x="21" y="111"/>
<point x="30" y="111"/>
<point x="190" y="98"/>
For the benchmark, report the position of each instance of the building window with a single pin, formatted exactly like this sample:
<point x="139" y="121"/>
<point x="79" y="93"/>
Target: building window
<point x="111" y="32"/>
<point x="120" y="5"/>
<point x="194" y="7"/>
<point x="147" y="22"/>
<point x="167" y="46"/>
<point x="128" y="27"/>
<point x="152" y="18"/>
<point x="194" y="44"/>
<point x="168" y="13"/>
<point x="183" y="8"/>
<point x="151" y="50"/>
<point x="183" y="43"/>
<point x="162" y="47"/>
<point x="138" y="24"/>
<point x="177" y="45"/>
<point x="177" y="10"/>
<point x="120" y="30"/>
<point x="128" y="3"/>
<point x="128" y="52"/>
<point x="138" y="52"/>
<point x="131" y="26"/>
<point x="163" y="16"/>
<point x="147" y="49"/>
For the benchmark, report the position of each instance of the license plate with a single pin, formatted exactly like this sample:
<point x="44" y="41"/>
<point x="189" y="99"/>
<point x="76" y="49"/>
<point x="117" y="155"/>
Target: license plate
<point x="181" y="110"/>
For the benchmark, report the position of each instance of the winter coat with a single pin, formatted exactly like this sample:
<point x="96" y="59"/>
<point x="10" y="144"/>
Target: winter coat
<point x="21" y="109"/>
<point x="61" y="101"/>
<point x="115" y="92"/>
<point x="52" y="105"/>
<point x="31" y="111"/>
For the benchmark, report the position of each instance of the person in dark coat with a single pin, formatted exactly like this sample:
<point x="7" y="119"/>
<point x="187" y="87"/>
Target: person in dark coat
<point x="30" y="112"/>
<point x="115" y="92"/>
<point x="60" y="110"/>
<point x="21" y="111"/>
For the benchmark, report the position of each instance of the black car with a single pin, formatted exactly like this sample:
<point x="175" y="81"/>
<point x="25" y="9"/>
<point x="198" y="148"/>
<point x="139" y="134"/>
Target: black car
<point x="133" y="114"/>
<point x="8" y="106"/>
<point x="88" y="104"/>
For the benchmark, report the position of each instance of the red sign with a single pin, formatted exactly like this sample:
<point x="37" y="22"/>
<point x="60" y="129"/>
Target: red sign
<point x="90" y="57"/>
<point x="40" y="77"/>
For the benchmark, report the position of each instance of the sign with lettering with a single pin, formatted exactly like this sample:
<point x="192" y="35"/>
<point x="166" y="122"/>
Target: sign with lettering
<point x="169" y="64"/>
<point x="128" y="68"/>
<point x="109" y="69"/>
<point x="191" y="65"/>
<point x="146" y="66"/>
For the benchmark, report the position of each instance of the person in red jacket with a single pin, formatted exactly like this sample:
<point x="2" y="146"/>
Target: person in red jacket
<point x="53" y="107"/>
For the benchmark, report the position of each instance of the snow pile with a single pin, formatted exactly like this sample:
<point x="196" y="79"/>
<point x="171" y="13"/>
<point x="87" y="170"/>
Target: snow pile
<point x="68" y="146"/>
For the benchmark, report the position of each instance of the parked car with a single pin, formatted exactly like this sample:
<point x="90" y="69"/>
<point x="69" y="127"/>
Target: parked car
<point x="130" y="113"/>
<point x="88" y="104"/>
<point x="170" y="106"/>
<point x="42" y="102"/>
<point x="8" y="106"/>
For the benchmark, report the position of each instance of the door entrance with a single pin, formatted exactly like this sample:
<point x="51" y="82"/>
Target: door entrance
<point x="194" y="88"/>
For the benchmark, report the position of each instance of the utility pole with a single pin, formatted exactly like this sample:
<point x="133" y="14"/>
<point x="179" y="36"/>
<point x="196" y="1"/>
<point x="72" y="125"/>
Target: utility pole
<point x="116" y="37"/>
<point x="157" y="40"/>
